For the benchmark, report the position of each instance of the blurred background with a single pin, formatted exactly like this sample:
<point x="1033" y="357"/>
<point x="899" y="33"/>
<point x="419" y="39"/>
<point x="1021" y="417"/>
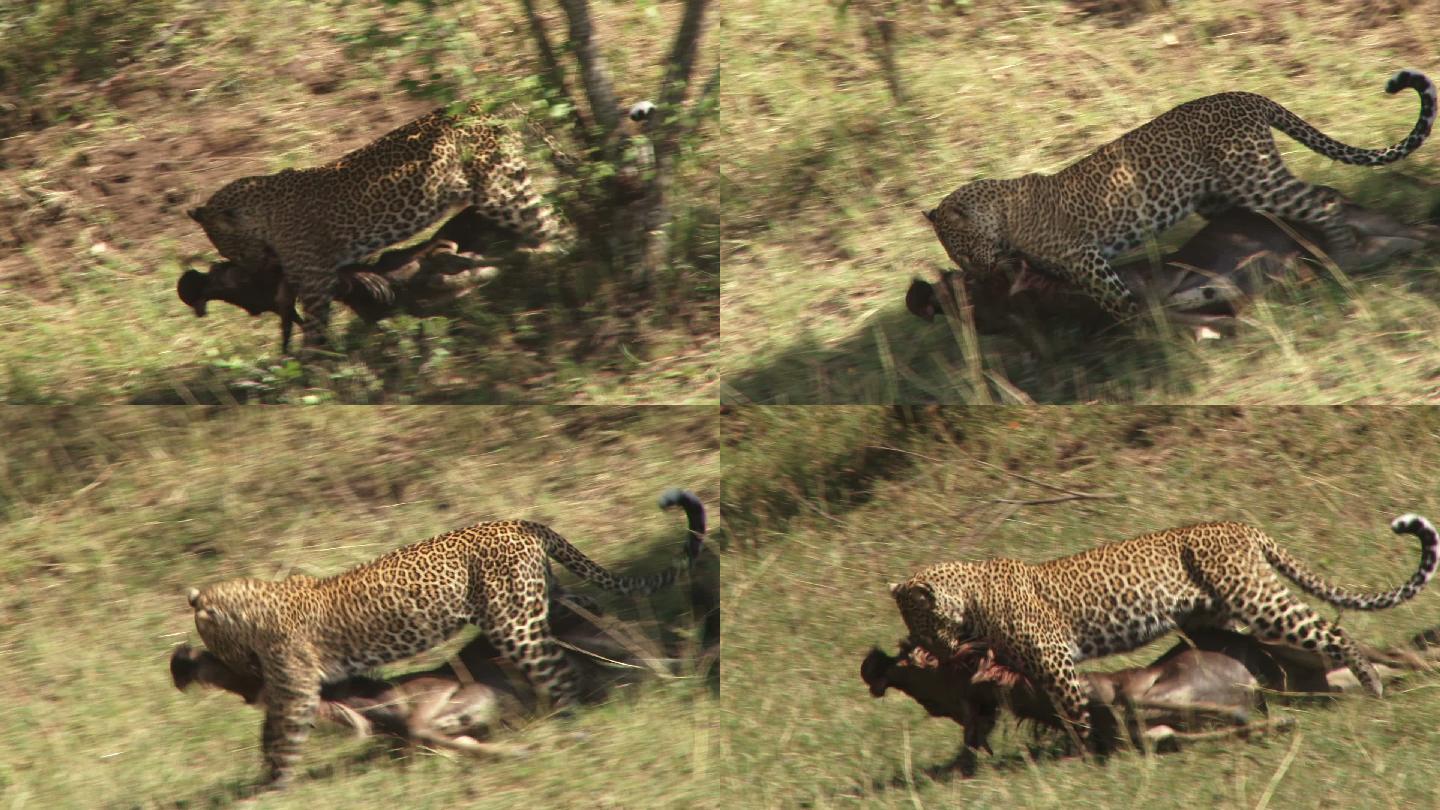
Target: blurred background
<point x="844" y="120"/>
<point x="828" y="505"/>
<point x="116" y="116"/>
<point x="109" y="515"/>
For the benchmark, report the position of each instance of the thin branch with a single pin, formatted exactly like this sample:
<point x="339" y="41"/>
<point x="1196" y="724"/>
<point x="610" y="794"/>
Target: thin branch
<point x="711" y="90"/>
<point x="682" y="52"/>
<point x="1037" y="482"/>
<point x="708" y="95"/>
<point x="1002" y="514"/>
<point x="903" y="451"/>
<point x="675" y="81"/>
<point x="553" y="73"/>
<point x="817" y="510"/>
<point x="877" y="27"/>
<point x="1074" y="496"/>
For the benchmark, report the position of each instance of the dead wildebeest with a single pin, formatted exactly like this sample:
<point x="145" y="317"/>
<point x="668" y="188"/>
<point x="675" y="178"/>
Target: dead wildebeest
<point x="1204" y="284"/>
<point x="458" y="705"/>
<point x="1212" y="680"/>
<point x="422" y="279"/>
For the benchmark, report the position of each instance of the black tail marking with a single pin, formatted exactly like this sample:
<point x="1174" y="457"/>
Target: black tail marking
<point x="694" y="516"/>
<point x="1407" y="80"/>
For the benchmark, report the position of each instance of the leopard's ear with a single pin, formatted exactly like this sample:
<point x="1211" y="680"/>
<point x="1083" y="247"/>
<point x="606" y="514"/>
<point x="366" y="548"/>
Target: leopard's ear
<point x="916" y="593"/>
<point x="924" y="595"/>
<point x="196" y="214"/>
<point x="930" y="216"/>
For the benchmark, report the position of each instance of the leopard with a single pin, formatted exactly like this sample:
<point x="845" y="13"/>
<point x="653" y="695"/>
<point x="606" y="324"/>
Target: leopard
<point x="1041" y="619"/>
<point x="299" y="634"/>
<point x="1203" y="156"/>
<point x="308" y="223"/>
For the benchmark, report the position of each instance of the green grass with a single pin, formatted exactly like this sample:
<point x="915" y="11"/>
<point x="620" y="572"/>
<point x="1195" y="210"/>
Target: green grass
<point x="806" y="596"/>
<point x="126" y="120"/>
<point x="110" y="514"/>
<point x="826" y="177"/>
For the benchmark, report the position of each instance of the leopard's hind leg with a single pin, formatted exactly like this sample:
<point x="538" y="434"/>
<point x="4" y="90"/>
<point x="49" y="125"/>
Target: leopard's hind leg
<point x="1276" y="616"/>
<point x="527" y="642"/>
<point x="501" y="190"/>
<point x="1294" y="199"/>
<point x="1255" y="177"/>
<point x="542" y="661"/>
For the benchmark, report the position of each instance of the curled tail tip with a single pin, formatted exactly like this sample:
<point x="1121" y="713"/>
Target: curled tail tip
<point x="676" y="496"/>
<point x="1412" y="79"/>
<point x="694" y="511"/>
<point x="1412" y="524"/>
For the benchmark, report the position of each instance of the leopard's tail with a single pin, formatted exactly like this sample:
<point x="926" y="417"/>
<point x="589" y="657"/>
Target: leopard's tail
<point x="1315" y="586"/>
<point x="694" y="517"/>
<point x="567" y="555"/>
<point x="1292" y="125"/>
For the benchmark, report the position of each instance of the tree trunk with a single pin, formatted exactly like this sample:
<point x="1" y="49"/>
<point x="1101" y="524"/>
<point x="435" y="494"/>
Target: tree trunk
<point x="593" y="72"/>
<point x="631" y="215"/>
<point x="674" y="86"/>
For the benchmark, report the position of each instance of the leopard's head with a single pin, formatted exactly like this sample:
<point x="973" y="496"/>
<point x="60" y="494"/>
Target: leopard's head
<point x="231" y="219"/>
<point x="934" y="617"/>
<point x="231" y="617"/>
<point x="968" y="225"/>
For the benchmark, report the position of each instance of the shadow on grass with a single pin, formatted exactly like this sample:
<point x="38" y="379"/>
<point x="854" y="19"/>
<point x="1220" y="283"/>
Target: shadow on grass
<point x="504" y="343"/>
<point x="898" y="358"/>
<point x="966" y="763"/>
<point x="841" y="480"/>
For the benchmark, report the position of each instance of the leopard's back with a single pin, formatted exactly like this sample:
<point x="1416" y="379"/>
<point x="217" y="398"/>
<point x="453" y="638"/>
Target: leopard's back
<point x="415" y="597"/>
<point x="1153" y="176"/>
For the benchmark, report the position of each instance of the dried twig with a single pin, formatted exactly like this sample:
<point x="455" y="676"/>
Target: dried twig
<point x="1001" y="515"/>
<point x="1073" y="496"/>
<point x="1037" y="482"/>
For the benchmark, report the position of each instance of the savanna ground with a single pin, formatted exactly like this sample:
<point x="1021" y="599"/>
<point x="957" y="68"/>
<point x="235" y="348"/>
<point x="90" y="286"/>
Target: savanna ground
<point x="111" y="514"/>
<point x="843" y="500"/>
<point x="117" y="116"/>
<point x="826" y="176"/>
